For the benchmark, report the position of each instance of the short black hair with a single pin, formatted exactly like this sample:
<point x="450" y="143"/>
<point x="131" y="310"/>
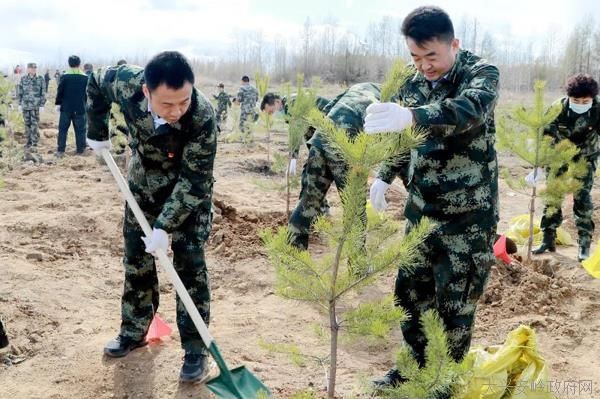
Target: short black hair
<point x="269" y="99"/>
<point x="582" y="85"/>
<point x="427" y="23"/>
<point x="74" y="61"/>
<point x="245" y="78"/>
<point x="121" y="62"/>
<point x="170" y="68"/>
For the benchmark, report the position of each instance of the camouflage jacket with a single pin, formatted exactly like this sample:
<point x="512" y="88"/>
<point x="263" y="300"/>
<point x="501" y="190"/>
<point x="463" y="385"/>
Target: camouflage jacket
<point x="247" y="97"/>
<point x="581" y="129"/>
<point x="453" y="176"/>
<point x="348" y="110"/>
<point x="171" y="168"/>
<point x="31" y="92"/>
<point x="223" y="100"/>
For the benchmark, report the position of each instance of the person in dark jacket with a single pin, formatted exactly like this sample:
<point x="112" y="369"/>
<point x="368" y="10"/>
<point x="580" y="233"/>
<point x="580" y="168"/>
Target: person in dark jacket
<point x="70" y="101"/>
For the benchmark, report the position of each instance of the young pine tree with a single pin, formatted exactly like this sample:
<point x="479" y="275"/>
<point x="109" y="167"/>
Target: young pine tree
<point x="522" y="133"/>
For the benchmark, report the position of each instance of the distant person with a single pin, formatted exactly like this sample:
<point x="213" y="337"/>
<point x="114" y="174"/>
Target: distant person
<point x="579" y="122"/>
<point x="47" y="79"/>
<point x="247" y="97"/>
<point x="88" y="69"/>
<point x="70" y="101"/>
<point x="31" y="95"/>
<point x="57" y="76"/>
<point x="17" y="74"/>
<point x="223" y="103"/>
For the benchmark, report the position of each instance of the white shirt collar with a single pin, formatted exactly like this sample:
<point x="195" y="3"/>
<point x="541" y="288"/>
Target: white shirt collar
<point x="435" y="82"/>
<point x="158" y="121"/>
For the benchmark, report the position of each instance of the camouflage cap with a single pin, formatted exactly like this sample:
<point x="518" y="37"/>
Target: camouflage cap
<point x="32" y="65"/>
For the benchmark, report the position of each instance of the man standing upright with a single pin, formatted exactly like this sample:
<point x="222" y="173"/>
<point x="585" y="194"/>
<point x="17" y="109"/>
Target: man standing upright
<point x="31" y="94"/>
<point x="70" y="101"/>
<point x="452" y="179"/>
<point x="223" y="103"/>
<point x="172" y="133"/>
<point x="247" y="97"/>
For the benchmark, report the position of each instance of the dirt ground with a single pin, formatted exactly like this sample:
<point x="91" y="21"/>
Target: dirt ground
<point x="61" y="281"/>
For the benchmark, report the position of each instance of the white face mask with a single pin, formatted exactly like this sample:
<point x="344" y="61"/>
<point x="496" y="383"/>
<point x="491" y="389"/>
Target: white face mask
<point x="580" y="108"/>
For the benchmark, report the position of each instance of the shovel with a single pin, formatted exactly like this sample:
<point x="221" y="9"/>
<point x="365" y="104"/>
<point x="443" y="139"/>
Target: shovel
<point x="238" y="383"/>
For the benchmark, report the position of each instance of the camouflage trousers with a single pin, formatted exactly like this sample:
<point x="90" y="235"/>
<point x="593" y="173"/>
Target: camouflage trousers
<point x="322" y="168"/>
<point x="31" y="117"/>
<point x="222" y="115"/>
<point x="451" y="272"/>
<point x="246" y="118"/>
<point x="583" y="209"/>
<point x="140" y="294"/>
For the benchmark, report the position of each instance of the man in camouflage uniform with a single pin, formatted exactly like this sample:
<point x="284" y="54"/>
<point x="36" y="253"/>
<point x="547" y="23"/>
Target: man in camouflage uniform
<point x="173" y="140"/>
<point x="223" y="103"/>
<point x="579" y="122"/>
<point x="247" y="97"/>
<point x="274" y="104"/>
<point x="324" y="166"/>
<point x="31" y="94"/>
<point x="452" y="179"/>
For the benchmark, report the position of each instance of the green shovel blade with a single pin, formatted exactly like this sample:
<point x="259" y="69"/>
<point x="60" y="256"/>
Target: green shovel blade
<point x="238" y="383"/>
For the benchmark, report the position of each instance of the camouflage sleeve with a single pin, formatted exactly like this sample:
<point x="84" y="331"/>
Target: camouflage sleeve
<point x="42" y="93"/>
<point x="240" y="96"/>
<point x="469" y="108"/>
<point x="392" y="168"/>
<point x="552" y="129"/>
<point x="194" y="188"/>
<point x="98" y="107"/>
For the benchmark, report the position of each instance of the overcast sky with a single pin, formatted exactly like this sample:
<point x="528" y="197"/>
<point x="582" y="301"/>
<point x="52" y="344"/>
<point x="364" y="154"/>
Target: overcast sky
<point x="47" y="31"/>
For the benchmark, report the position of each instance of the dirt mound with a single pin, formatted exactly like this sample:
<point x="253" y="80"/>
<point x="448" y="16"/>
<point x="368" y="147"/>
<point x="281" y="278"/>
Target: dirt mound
<point x="236" y="236"/>
<point x="522" y="289"/>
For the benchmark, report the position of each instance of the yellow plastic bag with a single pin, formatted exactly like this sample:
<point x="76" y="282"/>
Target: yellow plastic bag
<point x="519" y="232"/>
<point x="592" y="264"/>
<point x="514" y="370"/>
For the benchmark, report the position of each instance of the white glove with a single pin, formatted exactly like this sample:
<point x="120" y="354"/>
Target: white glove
<point x="57" y="108"/>
<point x="158" y="240"/>
<point x="292" y="167"/>
<point x="41" y="109"/>
<point x="377" y="194"/>
<point x="20" y="108"/>
<point x="98" y="146"/>
<point x="541" y="176"/>
<point x="387" y="117"/>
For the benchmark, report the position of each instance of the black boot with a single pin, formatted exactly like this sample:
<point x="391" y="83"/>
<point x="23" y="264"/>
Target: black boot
<point x="3" y="337"/>
<point x="121" y="346"/>
<point x="548" y="243"/>
<point x="390" y="380"/>
<point x="194" y="367"/>
<point x="584" y="252"/>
